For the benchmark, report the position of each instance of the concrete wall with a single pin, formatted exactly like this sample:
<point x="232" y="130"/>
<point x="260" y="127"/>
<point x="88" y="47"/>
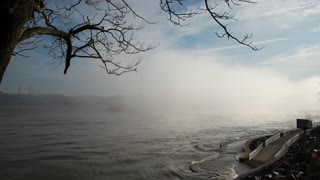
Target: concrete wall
<point x="271" y="139"/>
<point x="286" y="145"/>
<point x="280" y="153"/>
<point x="246" y="149"/>
<point x="256" y="151"/>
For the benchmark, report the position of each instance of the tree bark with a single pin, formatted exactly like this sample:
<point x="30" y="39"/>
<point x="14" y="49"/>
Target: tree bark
<point x="14" y="15"/>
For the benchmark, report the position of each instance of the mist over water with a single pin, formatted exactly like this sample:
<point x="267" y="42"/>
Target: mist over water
<point x="126" y="141"/>
<point x="156" y="123"/>
<point x="198" y="81"/>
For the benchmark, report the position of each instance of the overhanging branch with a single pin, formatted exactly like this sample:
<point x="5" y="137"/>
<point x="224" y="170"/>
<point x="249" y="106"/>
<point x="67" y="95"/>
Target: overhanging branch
<point x="34" y="31"/>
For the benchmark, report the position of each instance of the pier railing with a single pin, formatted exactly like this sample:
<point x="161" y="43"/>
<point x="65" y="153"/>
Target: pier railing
<point x="257" y="133"/>
<point x="256" y="151"/>
<point x="286" y="145"/>
<point x="274" y="135"/>
<point x="271" y="139"/>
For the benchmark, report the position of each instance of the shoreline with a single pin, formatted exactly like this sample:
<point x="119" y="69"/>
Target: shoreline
<point x="302" y="161"/>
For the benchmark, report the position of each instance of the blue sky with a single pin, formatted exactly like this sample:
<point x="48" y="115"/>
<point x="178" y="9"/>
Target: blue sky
<point x="191" y="60"/>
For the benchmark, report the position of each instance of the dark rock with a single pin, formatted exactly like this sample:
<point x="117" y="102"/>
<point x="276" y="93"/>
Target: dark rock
<point x="268" y="176"/>
<point x="275" y="173"/>
<point x="291" y="177"/>
<point x="299" y="174"/>
<point x="304" y="157"/>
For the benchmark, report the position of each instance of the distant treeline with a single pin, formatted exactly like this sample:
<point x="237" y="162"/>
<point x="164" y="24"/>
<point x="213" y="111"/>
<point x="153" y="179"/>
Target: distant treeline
<point x="60" y="101"/>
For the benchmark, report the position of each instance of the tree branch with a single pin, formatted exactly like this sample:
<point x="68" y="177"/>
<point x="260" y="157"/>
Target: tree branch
<point x="34" y="31"/>
<point x="108" y="32"/>
<point x="226" y="32"/>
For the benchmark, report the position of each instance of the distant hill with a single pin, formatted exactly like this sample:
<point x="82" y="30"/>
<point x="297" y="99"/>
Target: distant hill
<point x="57" y="101"/>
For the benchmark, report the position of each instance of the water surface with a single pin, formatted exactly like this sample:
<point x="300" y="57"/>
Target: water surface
<point x="126" y="145"/>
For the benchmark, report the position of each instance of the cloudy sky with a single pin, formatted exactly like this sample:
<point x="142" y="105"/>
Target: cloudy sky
<point x="192" y="65"/>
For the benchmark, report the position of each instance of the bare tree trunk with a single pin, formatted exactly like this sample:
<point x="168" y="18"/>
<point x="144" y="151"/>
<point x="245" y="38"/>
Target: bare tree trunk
<point x="14" y="15"/>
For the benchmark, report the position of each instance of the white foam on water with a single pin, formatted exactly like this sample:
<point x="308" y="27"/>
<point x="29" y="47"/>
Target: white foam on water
<point x="233" y="172"/>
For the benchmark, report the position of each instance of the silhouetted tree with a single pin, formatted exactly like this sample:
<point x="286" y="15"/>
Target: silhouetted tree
<point x="96" y="29"/>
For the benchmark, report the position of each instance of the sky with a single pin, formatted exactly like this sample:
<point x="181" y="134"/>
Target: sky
<point x="193" y="66"/>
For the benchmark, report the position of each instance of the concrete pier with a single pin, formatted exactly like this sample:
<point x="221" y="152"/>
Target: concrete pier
<point x="272" y="149"/>
<point x="268" y="153"/>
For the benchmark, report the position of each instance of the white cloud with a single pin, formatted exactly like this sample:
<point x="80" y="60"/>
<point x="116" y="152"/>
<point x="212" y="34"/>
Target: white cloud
<point x="281" y="14"/>
<point x="316" y="29"/>
<point x="300" y="61"/>
<point x="257" y="43"/>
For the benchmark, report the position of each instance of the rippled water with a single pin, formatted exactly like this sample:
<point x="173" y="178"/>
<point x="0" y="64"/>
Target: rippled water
<point x="108" y="145"/>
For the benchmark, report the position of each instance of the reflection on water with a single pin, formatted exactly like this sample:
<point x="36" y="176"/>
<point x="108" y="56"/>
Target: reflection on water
<point x="124" y="145"/>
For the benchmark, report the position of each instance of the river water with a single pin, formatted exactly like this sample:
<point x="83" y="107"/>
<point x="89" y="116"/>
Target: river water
<point x="127" y="145"/>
